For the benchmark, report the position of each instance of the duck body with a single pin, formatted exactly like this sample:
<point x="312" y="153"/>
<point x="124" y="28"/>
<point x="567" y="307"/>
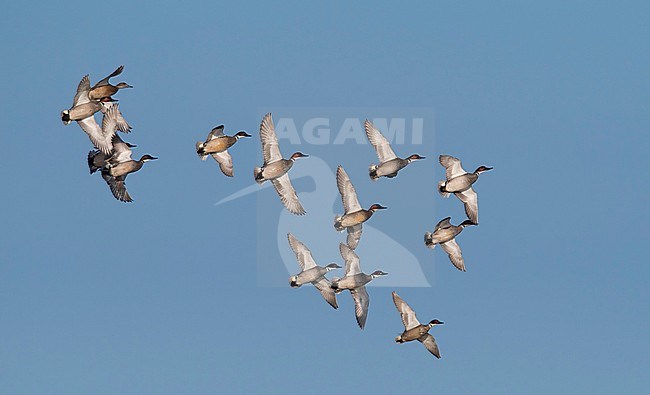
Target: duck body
<point x="81" y="112"/>
<point x="352" y="219"/>
<point x="414" y="333"/>
<point x="308" y="276"/>
<point x="273" y="170"/>
<point x="388" y="169"/>
<point x="443" y="235"/>
<point x="216" y="145"/>
<point x="104" y="89"/>
<point x="459" y="184"/>
<point x="124" y="168"/>
<point x="351" y="282"/>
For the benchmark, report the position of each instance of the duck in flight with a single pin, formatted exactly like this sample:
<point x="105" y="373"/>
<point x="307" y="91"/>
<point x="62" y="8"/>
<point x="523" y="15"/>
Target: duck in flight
<point x="459" y="182"/>
<point x="445" y="234"/>
<point x="389" y="164"/>
<point x="216" y="145"/>
<point x="103" y="90"/>
<point x="355" y="281"/>
<point x="275" y="167"/>
<point x="413" y="329"/>
<point x="354" y="215"/>
<point x="310" y="272"/>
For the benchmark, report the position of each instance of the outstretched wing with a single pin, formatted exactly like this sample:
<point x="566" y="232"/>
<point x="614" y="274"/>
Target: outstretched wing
<point x="430" y="343"/>
<point x="354" y="235"/>
<point x="352" y="264"/>
<point x="303" y="255"/>
<point x="96" y="134"/>
<point x="382" y="146"/>
<point x="361" y="302"/>
<point x="225" y="162"/>
<point x="406" y="312"/>
<point x="104" y="81"/>
<point x="83" y="88"/>
<point x="323" y="286"/>
<point x="470" y="200"/>
<point x="443" y="224"/>
<point x="120" y="123"/>
<point x="347" y="191"/>
<point x="118" y="187"/>
<point x="216" y="132"/>
<point x="288" y="195"/>
<point x="452" y="165"/>
<point x="455" y="255"/>
<point x="270" y="147"/>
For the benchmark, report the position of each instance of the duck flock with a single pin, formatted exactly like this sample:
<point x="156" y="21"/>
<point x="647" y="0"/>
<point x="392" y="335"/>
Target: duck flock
<point x="112" y="157"/>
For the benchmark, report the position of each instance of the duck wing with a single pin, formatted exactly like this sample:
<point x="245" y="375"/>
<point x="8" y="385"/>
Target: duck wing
<point x="225" y="162"/>
<point x="117" y="186"/>
<point x="216" y="132"/>
<point x="430" y="344"/>
<point x="443" y="224"/>
<point x="270" y="146"/>
<point x="121" y="151"/>
<point x="354" y="235"/>
<point x="120" y="123"/>
<point x="455" y="255"/>
<point x="101" y="141"/>
<point x="347" y="191"/>
<point x="452" y="166"/>
<point x="104" y="81"/>
<point x="361" y="302"/>
<point x="469" y="197"/>
<point x="288" y="195"/>
<point x="382" y="146"/>
<point x="323" y="286"/>
<point x="352" y="263"/>
<point x="83" y="88"/>
<point x="303" y="254"/>
<point x="406" y="312"/>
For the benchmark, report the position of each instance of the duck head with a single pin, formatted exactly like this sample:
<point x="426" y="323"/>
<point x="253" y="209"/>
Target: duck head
<point x="378" y="273"/>
<point x="293" y="282"/>
<point x="415" y="157"/>
<point x="467" y="222"/>
<point x="376" y="207"/>
<point x="241" y="134"/>
<point x="123" y="85"/>
<point x="482" y="169"/>
<point x="435" y="322"/>
<point x="130" y="145"/>
<point x="297" y="155"/>
<point x="332" y="266"/>
<point x="147" y="158"/>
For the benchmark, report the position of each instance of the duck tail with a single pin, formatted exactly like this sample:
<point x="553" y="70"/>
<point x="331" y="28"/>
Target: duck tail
<point x="372" y="170"/>
<point x="428" y="240"/>
<point x="441" y="189"/>
<point x="337" y="223"/>
<point x="398" y="339"/>
<point x="258" y="175"/>
<point x="199" y="150"/>
<point x="91" y="161"/>
<point x="65" y="117"/>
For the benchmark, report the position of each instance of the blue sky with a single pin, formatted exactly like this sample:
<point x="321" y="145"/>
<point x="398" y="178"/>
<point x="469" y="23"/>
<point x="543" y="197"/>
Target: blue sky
<point x="174" y="294"/>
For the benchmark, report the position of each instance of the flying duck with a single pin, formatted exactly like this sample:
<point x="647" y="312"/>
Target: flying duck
<point x="103" y="90"/>
<point x="275" y="167"/>
<point x="459" y="182"/>
<point x="118" y="167"/>
<point x="311" y="272"/>
<point x="217" y="145"/>
<point x="355" y="281"/>
<point x="413" y="330"/>
<point x="389" y="163"/>
<point x="97" y="159"/>
<point x="354" y="215"/>
<point x="445" y="234"/>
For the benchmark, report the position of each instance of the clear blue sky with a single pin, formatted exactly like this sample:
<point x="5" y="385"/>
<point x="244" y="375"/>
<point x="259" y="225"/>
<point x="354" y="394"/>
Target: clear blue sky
<point x="169" y="294"/>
